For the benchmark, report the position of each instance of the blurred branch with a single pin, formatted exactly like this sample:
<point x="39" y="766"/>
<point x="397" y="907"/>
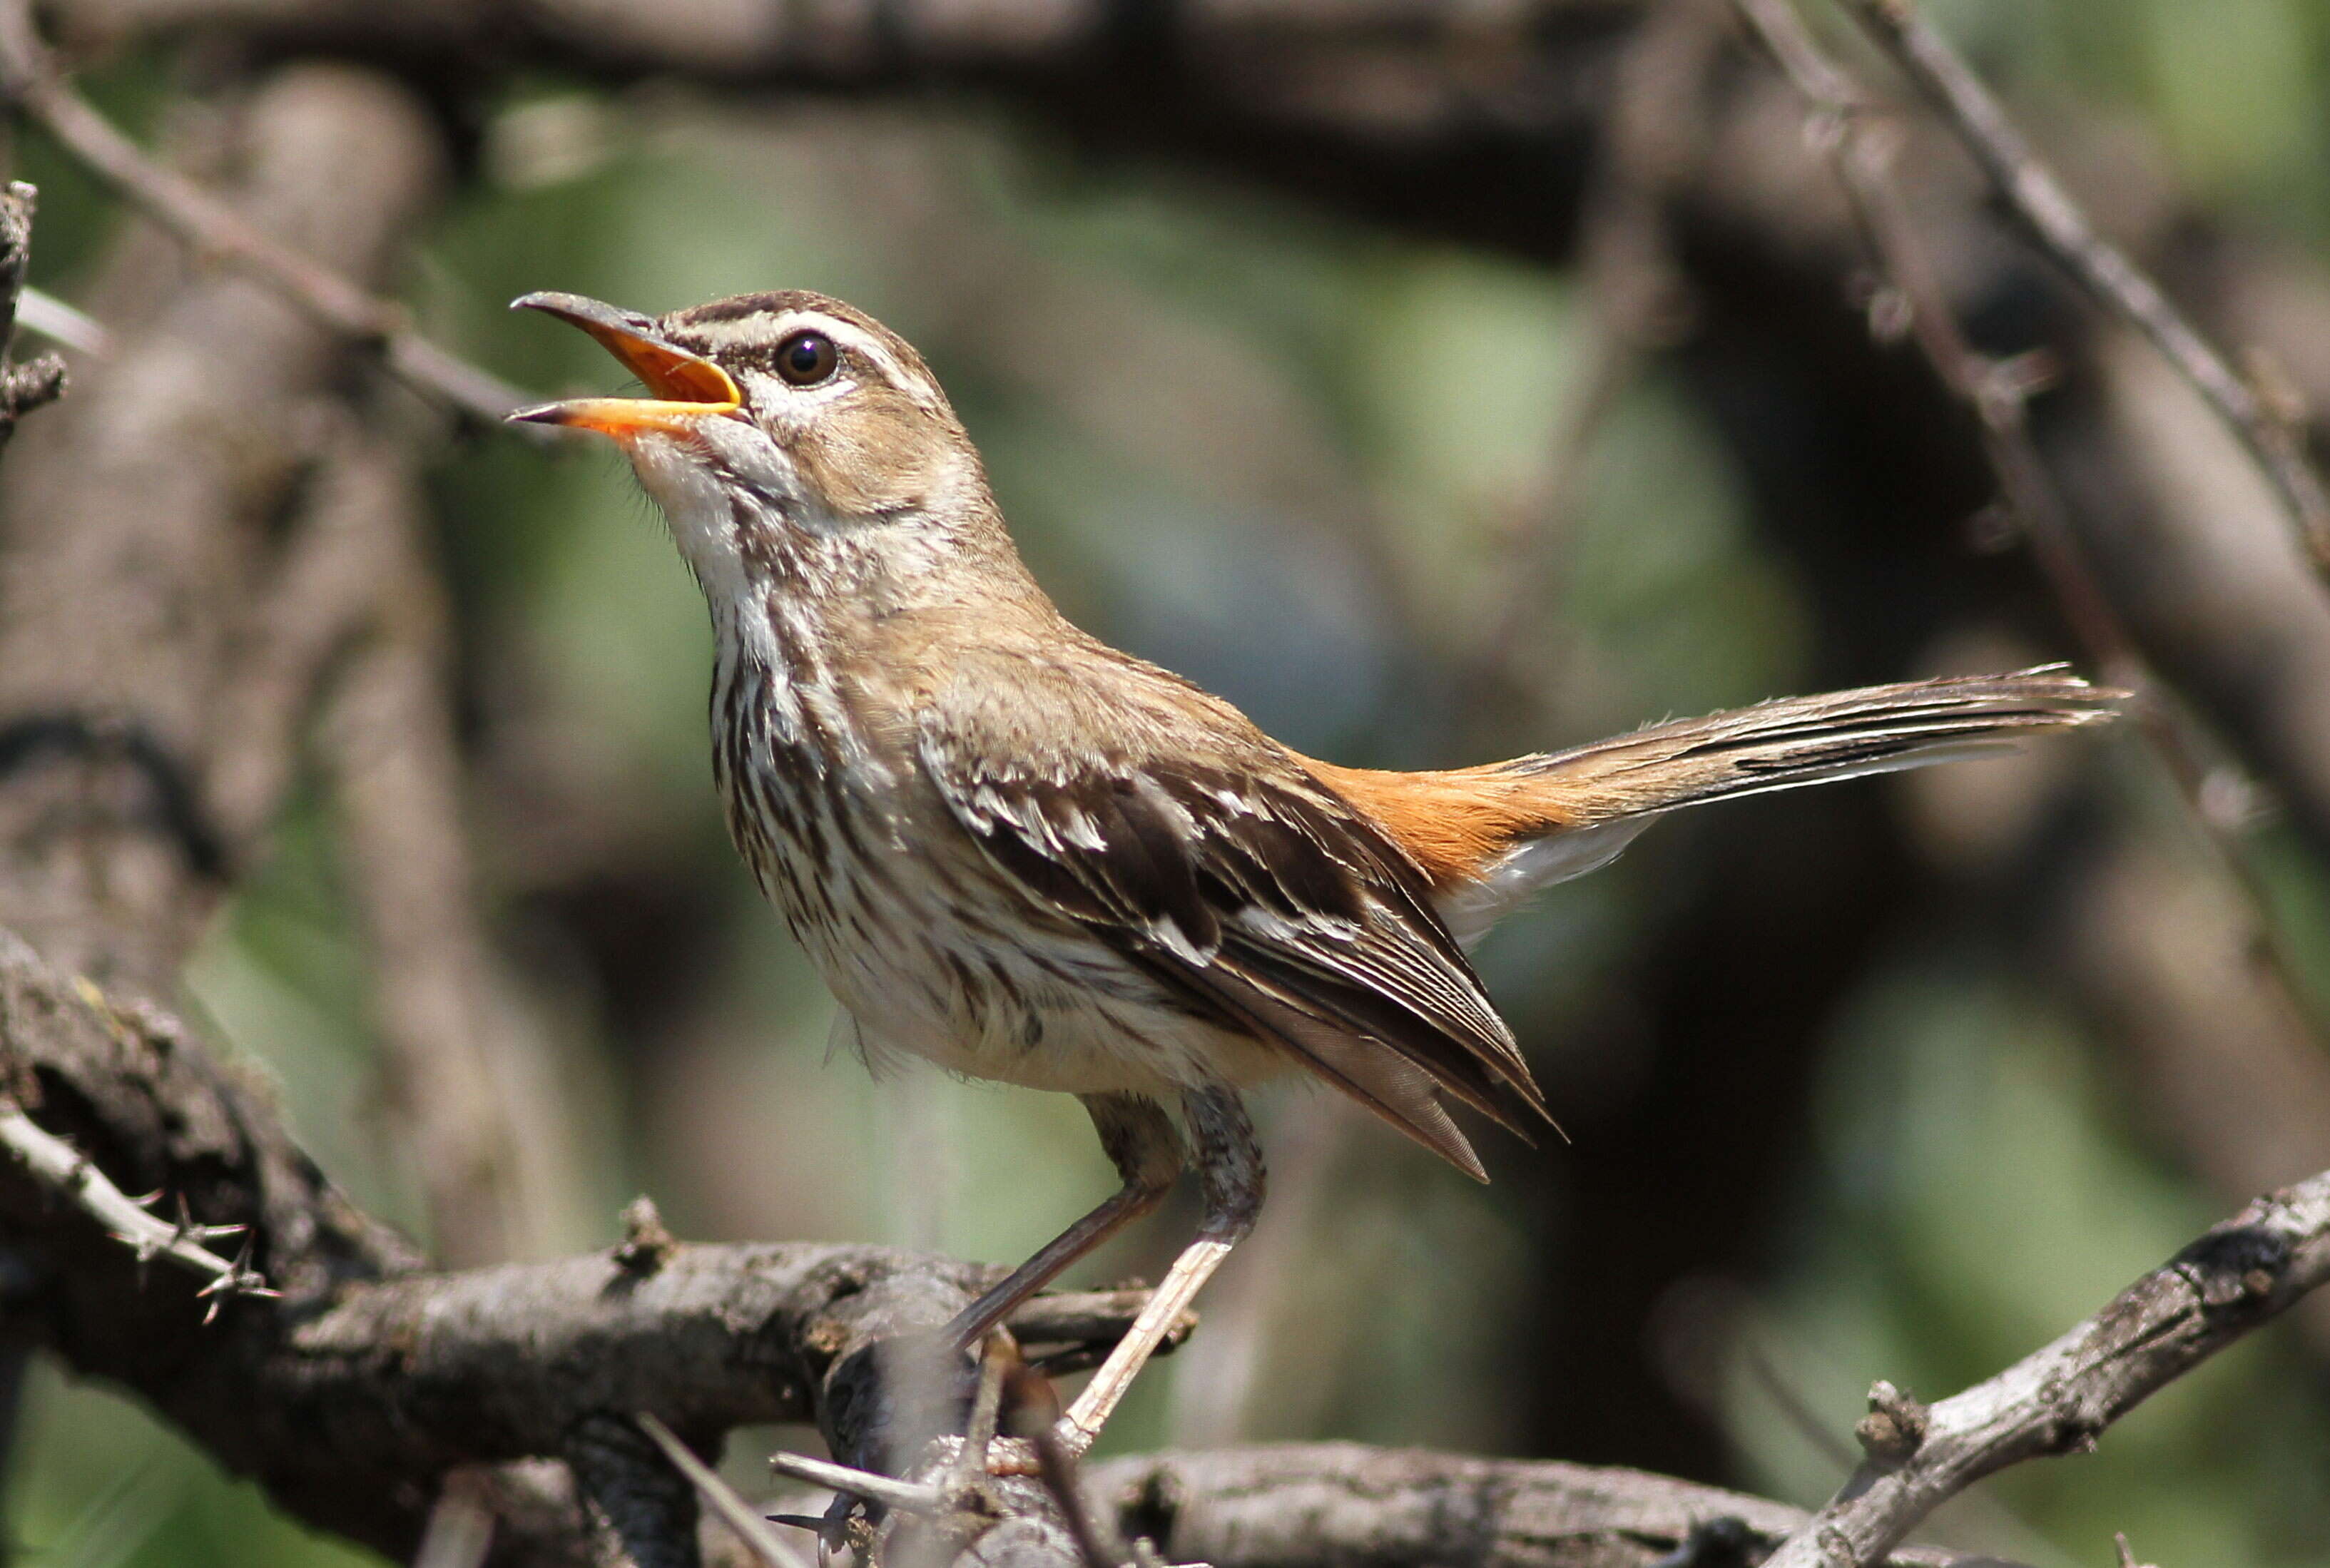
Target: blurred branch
<point x="390" y="746"/>
<point x="1861" y="147"/>
<point x="738" y="40"/>
<point x="30" y="78"/>
<point x="1653" y="129"/>
<point x="2059" y="1399"/>
<point x="313" y="603"/>
<point x="142" y="519"/>
<point x="460" y="1529"/>
<point x="1328" y="1505"/>
<point x="2031" y="189"/>
<point x="37" y="310"/>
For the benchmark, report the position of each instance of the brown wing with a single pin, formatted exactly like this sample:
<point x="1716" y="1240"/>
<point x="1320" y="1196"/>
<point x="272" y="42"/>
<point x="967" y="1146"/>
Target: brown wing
<point x="1268" y="902"/>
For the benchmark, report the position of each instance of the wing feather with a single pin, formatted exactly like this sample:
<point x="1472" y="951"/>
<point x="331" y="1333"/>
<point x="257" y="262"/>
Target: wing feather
<point x="1267" y="901"/>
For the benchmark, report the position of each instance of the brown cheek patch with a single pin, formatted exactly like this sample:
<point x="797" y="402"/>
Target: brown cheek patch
<point x="871" y="454"/>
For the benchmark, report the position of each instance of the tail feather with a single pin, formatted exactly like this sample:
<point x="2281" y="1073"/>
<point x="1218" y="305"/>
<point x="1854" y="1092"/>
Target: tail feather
<point x="1798" y="741"/>
<point x="1490" y="837"/>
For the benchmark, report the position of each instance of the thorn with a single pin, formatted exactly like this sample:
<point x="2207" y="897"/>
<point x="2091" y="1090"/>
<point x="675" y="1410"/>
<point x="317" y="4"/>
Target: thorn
<point x="1894" y="1427"/>
<point x="647" y="1244"/>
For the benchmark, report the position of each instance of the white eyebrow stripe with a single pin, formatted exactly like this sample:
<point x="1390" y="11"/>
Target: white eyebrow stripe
<point x="846" y="335"/>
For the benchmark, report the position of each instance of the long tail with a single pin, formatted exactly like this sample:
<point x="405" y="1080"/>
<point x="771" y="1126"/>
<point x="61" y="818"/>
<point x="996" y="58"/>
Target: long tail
<point x="1491" y="837"/>
<point x="1797" y="741"/>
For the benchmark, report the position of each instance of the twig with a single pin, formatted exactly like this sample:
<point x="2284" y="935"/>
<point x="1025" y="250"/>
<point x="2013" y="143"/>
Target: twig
<point x="1976" y="1512"/>
<point x="65" y="1169"/>
<point x="2059" y="1399"/>
<point x="909" y="1497"/>
<point x="1072" y="1332"/>
<point x="738" y="1515"/>
<point x="2109" y="277"/>
<point x="998" y="1357"/>
<point x="31" y="80"/>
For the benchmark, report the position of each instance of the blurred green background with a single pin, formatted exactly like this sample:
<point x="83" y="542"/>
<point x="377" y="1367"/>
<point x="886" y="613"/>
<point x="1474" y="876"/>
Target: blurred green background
<point x="1279" y="452"/>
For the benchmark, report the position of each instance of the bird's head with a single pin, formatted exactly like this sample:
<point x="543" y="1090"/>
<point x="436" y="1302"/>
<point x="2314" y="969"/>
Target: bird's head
<point x="786" y="433"/>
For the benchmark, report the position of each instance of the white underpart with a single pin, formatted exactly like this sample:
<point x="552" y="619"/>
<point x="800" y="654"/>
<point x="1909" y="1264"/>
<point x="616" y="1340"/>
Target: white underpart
<point x="1091" y="1022"/>
<point x="1530" y="867"/>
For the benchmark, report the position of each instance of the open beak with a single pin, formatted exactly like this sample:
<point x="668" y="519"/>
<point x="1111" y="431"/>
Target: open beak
<point x="682" y="387"/>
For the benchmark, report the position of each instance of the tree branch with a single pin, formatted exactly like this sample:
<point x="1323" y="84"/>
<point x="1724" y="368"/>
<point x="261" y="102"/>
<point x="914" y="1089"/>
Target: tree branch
<point x="354" y="1398"/>
<point x="1332" y="1504"/>
<point x="2243" y="1273"/>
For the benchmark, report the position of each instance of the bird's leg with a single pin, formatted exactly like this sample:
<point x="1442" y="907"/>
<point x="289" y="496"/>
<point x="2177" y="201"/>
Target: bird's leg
<point x="1140" y="1138"/>
<point x="1229" y="1169"/>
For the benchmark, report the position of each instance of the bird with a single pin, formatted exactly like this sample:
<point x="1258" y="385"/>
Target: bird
<point x="1018" y="853"/>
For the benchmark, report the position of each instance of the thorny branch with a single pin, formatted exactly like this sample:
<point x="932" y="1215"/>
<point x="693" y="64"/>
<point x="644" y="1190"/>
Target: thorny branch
<point x="2110" y="277"/>
<point x="32" y="82"/>
<point x="2059" y="1399"/>
<point x="64" y="1170"/>
<point x="377" y="1380"/>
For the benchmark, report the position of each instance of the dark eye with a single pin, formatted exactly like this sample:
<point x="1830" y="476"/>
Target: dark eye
<point x="807" y="358"/>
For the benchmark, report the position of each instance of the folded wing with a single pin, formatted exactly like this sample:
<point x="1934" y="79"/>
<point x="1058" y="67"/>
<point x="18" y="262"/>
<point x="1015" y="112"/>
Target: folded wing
<point x="1268" y="904"/>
